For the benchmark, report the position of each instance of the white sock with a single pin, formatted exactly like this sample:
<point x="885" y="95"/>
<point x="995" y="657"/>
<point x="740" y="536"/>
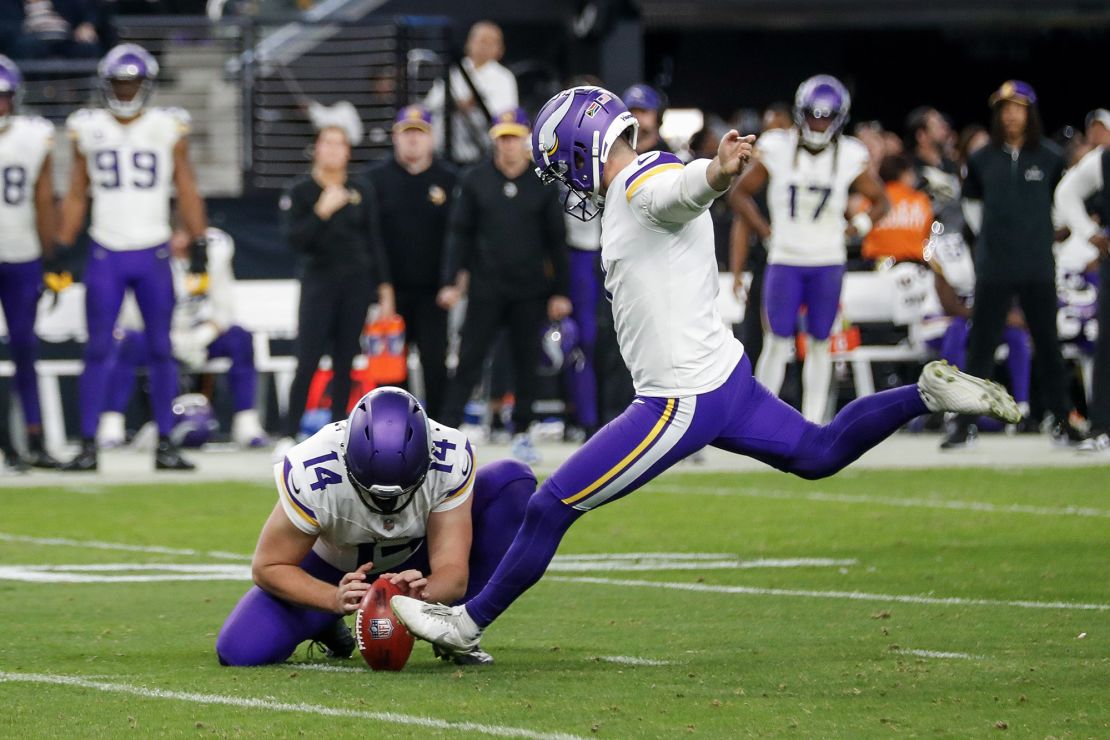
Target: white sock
<point x="246" y="427"/>
<point x="816" y="379"/>
<point x="771" y="368"/>
<point x="111" y="429"/>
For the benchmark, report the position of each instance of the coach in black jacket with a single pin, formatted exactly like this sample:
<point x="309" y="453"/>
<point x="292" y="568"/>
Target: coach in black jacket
<point x="507" y="233"/>
<point x="414" y="191"/>
<point x="1008" y="197"/>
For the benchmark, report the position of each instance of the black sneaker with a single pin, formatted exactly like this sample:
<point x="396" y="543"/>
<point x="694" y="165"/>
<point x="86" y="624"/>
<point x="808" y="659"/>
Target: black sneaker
<point x="1065" y="435"/>
<point x="38" y="457"/>
<point x="962" y="437"/>
<point x="336" y="639"/>
<point x="86" y="460"/>
<point x="168" y="457"/>
<point x="15" y="462"/>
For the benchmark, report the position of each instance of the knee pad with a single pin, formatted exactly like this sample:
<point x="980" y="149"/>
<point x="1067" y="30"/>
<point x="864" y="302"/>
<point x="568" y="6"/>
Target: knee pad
<point x="497" y="475"/>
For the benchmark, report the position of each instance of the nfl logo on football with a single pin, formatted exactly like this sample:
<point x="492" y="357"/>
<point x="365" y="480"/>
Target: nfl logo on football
<point x="381" y="629"/>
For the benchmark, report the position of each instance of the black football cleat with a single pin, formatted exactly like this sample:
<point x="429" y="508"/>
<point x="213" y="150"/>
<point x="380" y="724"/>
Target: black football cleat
<point x="86" y="460"/>
<point x="336" y="639"/>
<point x="168" y="457"/>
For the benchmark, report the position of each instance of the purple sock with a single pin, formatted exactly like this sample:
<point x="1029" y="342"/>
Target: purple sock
<point x="862" y="424"/>
<point x="1019" y="362"/>
<point x="545" y="521"/>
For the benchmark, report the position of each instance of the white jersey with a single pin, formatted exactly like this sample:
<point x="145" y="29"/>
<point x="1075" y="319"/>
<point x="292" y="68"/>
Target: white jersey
<point x="317" y="497"/>
<point x="807" y="196"/>
<point x="130" y="173"/>
<point x="24" y="146"/>
<point x="660" y="265"/>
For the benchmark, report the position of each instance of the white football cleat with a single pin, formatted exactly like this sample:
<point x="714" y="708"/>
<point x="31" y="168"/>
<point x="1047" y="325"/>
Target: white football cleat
<point x="945" y="388"/>
<point x="449" y="627"/>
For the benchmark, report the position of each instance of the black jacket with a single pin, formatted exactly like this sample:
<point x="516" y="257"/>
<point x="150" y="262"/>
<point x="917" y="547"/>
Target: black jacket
<point x="1016" y="188"/>
<point x="509" y="234"/>
<point x="348" y="242"/>
<point x="413" y="210"/>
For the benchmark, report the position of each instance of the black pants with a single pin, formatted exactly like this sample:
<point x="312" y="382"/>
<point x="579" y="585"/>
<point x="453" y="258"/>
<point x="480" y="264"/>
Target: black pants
<point x="1100" y="398"/>
<point x="426" y="327"/>
<point x="485" y="315"/>
<point x="988" y="318"/>
<point x="751" y="328"/>
<point x="332" y="314"/>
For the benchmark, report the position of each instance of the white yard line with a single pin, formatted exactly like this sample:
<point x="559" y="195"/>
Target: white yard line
<point x="388" y="718"/>
<point x="849" y="595"/>
<point x="324" y="667"/>
<point x="618" y="563"/>
<point x="98" y="545"/>
<point x="631" y="660"/>
<point x="937" y="654"/>
<point x="911" y="503"/>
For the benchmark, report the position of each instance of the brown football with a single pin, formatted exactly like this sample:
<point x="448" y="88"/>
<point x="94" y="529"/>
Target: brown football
<point x="384" y="642"/>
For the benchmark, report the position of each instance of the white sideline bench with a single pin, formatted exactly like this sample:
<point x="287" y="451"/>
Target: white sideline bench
<point x="267" y="308"/>
<point x="868" y="297"/>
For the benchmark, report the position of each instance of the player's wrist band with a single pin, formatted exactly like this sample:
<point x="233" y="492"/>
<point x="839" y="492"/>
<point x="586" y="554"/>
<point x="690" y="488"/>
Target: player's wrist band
<point x="862" y="223"/>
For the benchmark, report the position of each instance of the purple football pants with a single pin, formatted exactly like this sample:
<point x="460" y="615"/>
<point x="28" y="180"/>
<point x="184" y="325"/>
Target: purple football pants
<point x="108" y="275"/>
<point x="133" y="352"/>
<point x="786" y="288"/>
<point x="585" y="292"/>
<point x="655" y="433"/>
<point x="20" y="288"/>
<point x="953" y="348"/>
<point x="263" y="629"/>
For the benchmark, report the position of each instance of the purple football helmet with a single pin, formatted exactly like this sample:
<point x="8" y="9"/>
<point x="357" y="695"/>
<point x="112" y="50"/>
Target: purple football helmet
<point x="11" y="85"/>
<point x="194" y="422"/>
<point x="821" y="96"/>
<point x="388" y="449"/>
<point x="571" y="140"/>
<point x="125" y="63"/>
<point x="560" y="346"/>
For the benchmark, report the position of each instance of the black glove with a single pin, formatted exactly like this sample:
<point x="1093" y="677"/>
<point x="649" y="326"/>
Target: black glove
<point x="52" y="262"/>
<point x="198" y="256"/>
<point x="54" y="275"/>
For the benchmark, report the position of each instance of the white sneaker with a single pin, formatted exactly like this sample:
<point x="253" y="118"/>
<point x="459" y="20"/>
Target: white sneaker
<point x="944" y="388"/>
<point x="524" y="450"/>
<point x="450" y="627"/>
<point x="110" y="431"/>
<point x="1095" y="443"/>
<point x="247" y="431"/>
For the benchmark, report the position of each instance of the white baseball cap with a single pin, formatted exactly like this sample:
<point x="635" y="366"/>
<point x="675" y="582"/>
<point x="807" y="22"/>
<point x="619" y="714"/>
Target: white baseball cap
<point x="1099" y="115"/>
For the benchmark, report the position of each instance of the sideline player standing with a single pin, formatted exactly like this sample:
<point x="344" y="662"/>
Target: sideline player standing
<point x="386" y="490"/>
<point x="809" y="170"/>
<point x="128" y="156"/>
<point x="694" y="383"/>
<point x="26" y="230"/>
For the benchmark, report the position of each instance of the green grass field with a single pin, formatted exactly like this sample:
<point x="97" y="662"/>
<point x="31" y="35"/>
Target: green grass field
<point x="953" y="603"/>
